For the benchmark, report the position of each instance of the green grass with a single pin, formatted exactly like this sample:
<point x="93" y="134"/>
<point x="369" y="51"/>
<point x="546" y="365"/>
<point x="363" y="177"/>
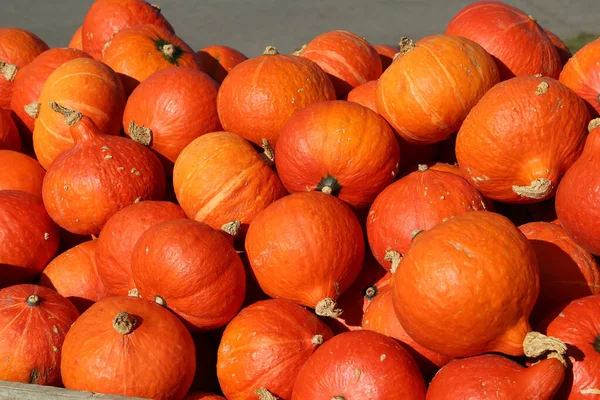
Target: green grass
<point x="580" y="40"/>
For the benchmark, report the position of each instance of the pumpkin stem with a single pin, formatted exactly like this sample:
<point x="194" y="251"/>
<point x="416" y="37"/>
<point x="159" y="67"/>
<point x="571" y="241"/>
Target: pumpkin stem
<point x="124" y="323"/>
<point x="33" y="109"/>
<point x="338" y="398"/>
<point x="394" y="257"/>
<point x="542" y="88"/>
<point x="71" y="116"/>
<point x="406" y="45"/>
<point x="423" y="167"/>
<point x="531" y="17"/>
<point x="232" y="228"/>
<point x="371" y="292"/>
<point x="156" y="7"/>
<point x="590" y="391"/>
<point x="140" y="133"/>
<point x="326" y="308"/>
<point x="329" y="185"/>
<point x="317" y="340"/>
<point x="595" y="123"/>
<point x="168" y="50"/>
<point x="8" y="71"/>
<point x="133" y="293"/>
<point x="539" y="189"/>
<point x="270" y="51"/>
<point x="537" y="344"/>
<point x="160" y="300"/>
<point x="299" y="51"/>
<point x="33" y="300"/>
<point x="269" y="154"/>
<point x="264" y="394"/>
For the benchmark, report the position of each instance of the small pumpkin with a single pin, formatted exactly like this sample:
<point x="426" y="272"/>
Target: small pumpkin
<point x="508" y="147"/>
<point x="581" y="75"/>
<point x="99" y="176"/>
<point x="9" y="133"/>
<point x="386" y="54"/>
<point x="218" y="60"/>
<point x="76" y="41"/>
<point x="563" y="50"/>
<point x="34" y="322"/>
<point x="339" y="148"/>
<point x="20" y="172"/>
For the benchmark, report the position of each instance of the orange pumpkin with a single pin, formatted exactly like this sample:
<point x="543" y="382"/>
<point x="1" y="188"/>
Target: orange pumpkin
<point x="20" y="172"/>
<point x="386" y="54"/>
<point x="76" y="41"/>
<point x="9" y="133"/>
<point x="581" y="74"/>
<point x="445" y="167"/>
<point x="70" y="85"/>
<point x="218" y="60"/>
<point x="563" y="50"/>
<point x="427" y="105"/>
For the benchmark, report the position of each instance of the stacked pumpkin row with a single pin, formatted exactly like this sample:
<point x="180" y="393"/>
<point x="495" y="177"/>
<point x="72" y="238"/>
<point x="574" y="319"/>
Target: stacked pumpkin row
<point x="186" y="256"/>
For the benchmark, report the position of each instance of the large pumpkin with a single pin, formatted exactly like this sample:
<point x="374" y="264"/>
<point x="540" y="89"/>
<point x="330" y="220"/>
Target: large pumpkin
<point x="264" y="347"/>
<point x="306" y="247"/>
<point x="70" y="85"/>
<point x="509" y="147"/>
<point x="34" y="322"/>
<point x="131" y="347"/>
<point x="218" y="60"/>
<point x="9" y="133"/>
<point x="339" y="148"/>
<point x="99" y="176"/>
<point x="20" y="172"/>
<point x="259" y="95"/>
<point x="515" y="40"/>
<point x="582" y="74"/>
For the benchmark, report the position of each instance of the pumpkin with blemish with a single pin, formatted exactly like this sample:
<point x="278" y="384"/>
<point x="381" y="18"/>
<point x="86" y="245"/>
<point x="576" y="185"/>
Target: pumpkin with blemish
<point x="582" y="74"/>
<point x="218" y="60"/>
<point x="20" y="172"/>
<point x="9" y="133"/>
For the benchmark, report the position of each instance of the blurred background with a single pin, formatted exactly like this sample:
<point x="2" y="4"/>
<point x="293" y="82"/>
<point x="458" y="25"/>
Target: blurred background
<point x="251" y="25"/>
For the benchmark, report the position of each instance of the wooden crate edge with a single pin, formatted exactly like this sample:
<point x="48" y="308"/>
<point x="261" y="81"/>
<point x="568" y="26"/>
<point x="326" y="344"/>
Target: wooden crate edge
<point x="23" y="391"/>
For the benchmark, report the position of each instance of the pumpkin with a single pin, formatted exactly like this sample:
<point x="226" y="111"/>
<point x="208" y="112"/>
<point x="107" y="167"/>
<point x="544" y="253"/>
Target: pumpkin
<point x="218" y="60"/>
<point x="323" y="238"/>
<point x="105" y="18"/>
<point x="34" y="322"/>
<point x="70" y="85"/>
<point x="136" y="53"/>
<point x="419" y="201"/>
<point x="17" y="49"/>
<point x="581" y="75"/>
<point x="185" y="265"/>
<point x="143" y="349"/>
<point x="119" y="236"/>
<point x="386" y="54"/>
<point x="360" y="365"/>
<point x="264" y="347"/>
<point x="74" y="275"/>
<point x="515" y="40"/>
<point x="445" y="167"/>
<point x="427" y="105"/>
<point x="29" y="82"/>
<point x="508" y="147"/>
<point x="339" y="148"/>
<point x="30" y="237"/>
<point x="170" y="109"/>
<point x="20" y="172"/>
<point x="471" y="295"/>
<point x="563" y="50"/>
<point x="203" y="396"/>
<point x="76" y="41"/>
<point x="99" y="176"/>
<point x="260" y="94"/>
<point x="219" y="178"/>
<point x="348" y="59"/>
<point x="576" y="199"/>
<point x="9" y="133"/>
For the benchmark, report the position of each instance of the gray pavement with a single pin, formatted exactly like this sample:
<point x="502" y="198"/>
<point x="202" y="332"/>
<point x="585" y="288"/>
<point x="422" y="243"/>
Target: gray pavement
<point x="251" y="25"/>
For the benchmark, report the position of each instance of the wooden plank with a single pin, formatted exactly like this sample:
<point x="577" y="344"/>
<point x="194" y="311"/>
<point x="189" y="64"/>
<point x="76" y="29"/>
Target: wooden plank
<point x="22" y="391"/>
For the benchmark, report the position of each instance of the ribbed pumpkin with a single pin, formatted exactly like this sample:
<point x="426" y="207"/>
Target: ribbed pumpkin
<point x="339" y="148"/>
<point x="74" y="275"/>
<point x="76" y="41"/>
<point x="99" y="176"/>
<point x="17" y="49"/>
<point x="119" y="236"/>
<point x="105" y="18"/>
<point x="264" y="347"/>
<point x="70" y="85"/>
<point x="418" y="201"/>
<point x="360" y="365"/>
<point x="144" y="349"/>
<point x="509" y="147"/>
<point x="259" y="95"/>
<point x="34" y="322"/>
<point x="306" y="247"/>
<point x="563" y="50"/>
<point x="9" y="133"/>
<point x="20" y="172"/>
<point x="348" y="59"/>
<point x="515" y="40"/>
<point x="582" y="75"/>
<point x="218" y="60"/>
<point x="30" y="237"/>
<point x="136" y="53"/>
<point x="386" y="54"/>
<point x="185" y="265"/>
<point x="170" y="109"/>
<point x="471" y="295"/>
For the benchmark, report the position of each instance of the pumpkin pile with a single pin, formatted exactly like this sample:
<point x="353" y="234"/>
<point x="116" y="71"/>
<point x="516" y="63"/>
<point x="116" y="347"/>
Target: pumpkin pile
<point x="348" y="222"/>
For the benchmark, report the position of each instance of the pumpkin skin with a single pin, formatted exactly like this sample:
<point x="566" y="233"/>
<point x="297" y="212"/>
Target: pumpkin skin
<point x="170" y="109"/>
<point x="105" y="18"/>
<point x="119" y="236"/>
<point x="70" y="86"/>
<point x="76" y="41"/>
<point x="99" y="176"/>
<point x="74" y="275"/>
<point x="136" y="53"/>
<point x="494" y="375"/>
<point x="184" y="265"/>
<point x="219" y="178"/>
<point x="516" y="128"/>
<point x="324" y="238"/>
<point x="581" y="74"/>
<point x="265" y="346"/>
<point x="154" y="359"/>
<point x="348" y="59"/>
<point x="35" y="320"/>
<point x="418" y="201"/>
<point x="17" y="49"/>
<point x="386" y="54"/>
<point x="9" y="133"/>
<point x="218" y="60"/>
<point x="428" y="105"/>
<point x="483" y="308"/>
<point x="32" y="235"/>
<point x="20" y="172"/>
<point x="563" y="50"/>
<point x="365" y="365"/>
<point x="515" y="40"/>
<point x="339" y="148"/>
<point x="261" y="94"/>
